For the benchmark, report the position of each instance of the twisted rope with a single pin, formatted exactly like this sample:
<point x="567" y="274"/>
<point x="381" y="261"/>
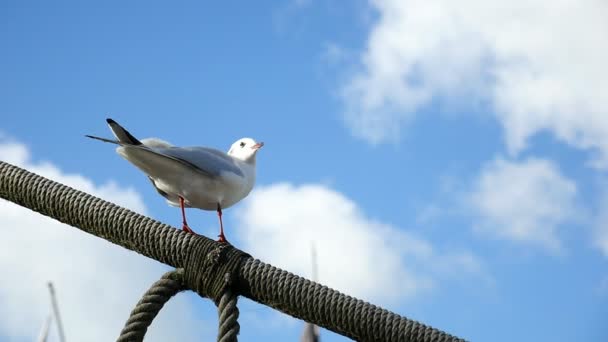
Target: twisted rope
<point x="326" y="307"/>
<point x="206" y="262"/>
<point x="148" y="307"/>
<point x="228" y="315"/>
<point x="159" y="294"/>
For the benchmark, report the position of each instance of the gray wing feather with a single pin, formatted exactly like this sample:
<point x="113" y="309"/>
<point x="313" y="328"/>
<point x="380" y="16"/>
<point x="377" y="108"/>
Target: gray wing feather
<point x="207" y="160"/>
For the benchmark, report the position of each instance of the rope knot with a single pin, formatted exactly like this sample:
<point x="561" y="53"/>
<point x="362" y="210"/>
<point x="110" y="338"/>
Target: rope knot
<point x="211" y="267"/>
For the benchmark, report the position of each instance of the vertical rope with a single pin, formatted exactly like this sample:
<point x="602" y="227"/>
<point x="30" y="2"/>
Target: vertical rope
<point x="228" y="315"/>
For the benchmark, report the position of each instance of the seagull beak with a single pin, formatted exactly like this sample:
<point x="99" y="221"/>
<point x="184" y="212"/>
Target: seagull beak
<point x="257" y="146"/>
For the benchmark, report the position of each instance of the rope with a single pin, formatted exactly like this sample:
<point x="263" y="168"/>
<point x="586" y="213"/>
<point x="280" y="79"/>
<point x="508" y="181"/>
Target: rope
<point x="159" y="294"/>
<point x="148" y="307"/>
<point x="207" y="262"/>
<point x="318" y="304"/>
<point x="228" y="314"/>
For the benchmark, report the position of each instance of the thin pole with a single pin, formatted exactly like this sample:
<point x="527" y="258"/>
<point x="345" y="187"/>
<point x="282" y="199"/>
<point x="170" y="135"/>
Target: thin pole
<point x="44" y="332"/>
<point x="56" y="311"/>
<point x="315" y="272"/>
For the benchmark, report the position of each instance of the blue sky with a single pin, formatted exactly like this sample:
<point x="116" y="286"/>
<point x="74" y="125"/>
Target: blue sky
<point x="449" y="162"/>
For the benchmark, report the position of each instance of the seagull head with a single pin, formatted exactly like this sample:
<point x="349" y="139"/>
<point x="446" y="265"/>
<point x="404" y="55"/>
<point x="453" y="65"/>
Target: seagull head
<point x="245" y="149"/>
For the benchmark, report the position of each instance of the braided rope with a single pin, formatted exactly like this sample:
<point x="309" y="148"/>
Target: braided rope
<point x="206" y="262"/>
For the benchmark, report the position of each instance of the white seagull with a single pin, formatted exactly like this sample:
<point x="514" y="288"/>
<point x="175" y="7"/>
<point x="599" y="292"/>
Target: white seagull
<point x="198" y="177"/>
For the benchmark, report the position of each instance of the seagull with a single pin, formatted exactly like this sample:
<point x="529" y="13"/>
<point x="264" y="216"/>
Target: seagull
<point x="191" y="177"/>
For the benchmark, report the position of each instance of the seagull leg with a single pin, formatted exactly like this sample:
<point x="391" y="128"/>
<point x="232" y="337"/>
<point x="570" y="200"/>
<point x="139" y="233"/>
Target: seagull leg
<point x="184" y="223"/>
<point x="222" y="238"/>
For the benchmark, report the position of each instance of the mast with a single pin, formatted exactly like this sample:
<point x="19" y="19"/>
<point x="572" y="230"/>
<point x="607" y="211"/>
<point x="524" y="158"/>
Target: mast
<point x="56" y="311"/>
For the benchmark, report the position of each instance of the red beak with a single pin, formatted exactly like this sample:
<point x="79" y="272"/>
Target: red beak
<point x="257" y="146"/>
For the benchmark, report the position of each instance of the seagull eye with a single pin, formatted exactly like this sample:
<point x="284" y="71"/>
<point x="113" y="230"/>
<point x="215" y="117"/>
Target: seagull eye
<point x="242" y="144"/>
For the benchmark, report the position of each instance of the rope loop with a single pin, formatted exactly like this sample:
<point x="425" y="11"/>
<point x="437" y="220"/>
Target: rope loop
<point x="159" y="294"/>
<point x="150" y="304"/>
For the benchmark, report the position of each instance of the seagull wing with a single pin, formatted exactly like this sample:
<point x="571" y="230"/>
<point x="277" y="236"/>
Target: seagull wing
<point x="206" y="161"/>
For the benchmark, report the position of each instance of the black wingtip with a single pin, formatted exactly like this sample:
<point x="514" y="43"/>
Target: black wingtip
<point x="122" y="134"/>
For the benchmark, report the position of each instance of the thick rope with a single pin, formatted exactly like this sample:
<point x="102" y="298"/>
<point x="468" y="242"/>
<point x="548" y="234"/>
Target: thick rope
<point x="228" y="315"/>
<point x="159" y="294"/>
<point x="325" y="307"/>
<point x="195" y="253"/>
<point x="206" y="262"/>
<point x="148" y="307"/>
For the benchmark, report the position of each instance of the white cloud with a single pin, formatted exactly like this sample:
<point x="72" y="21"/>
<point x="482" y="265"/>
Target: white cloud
<point x="97" y="283"/>
<point x="357" y="255"/>
<point x="541" y="64"/>
<point x="524" y="201"/>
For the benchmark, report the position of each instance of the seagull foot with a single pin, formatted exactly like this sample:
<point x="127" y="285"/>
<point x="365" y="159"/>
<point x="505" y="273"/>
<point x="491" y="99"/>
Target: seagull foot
<point x="187" y="229"/>
<point x="222" y="239"/>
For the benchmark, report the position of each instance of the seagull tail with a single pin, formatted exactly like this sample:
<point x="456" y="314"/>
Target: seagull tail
<point x="104" y="140"/>
<point x="123" y="136"/>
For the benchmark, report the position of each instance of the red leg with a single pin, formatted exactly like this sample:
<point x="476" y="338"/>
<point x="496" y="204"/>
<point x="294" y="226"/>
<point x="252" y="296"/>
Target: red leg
<point x="222" y="238"/>
<point x="184" y="223"/>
